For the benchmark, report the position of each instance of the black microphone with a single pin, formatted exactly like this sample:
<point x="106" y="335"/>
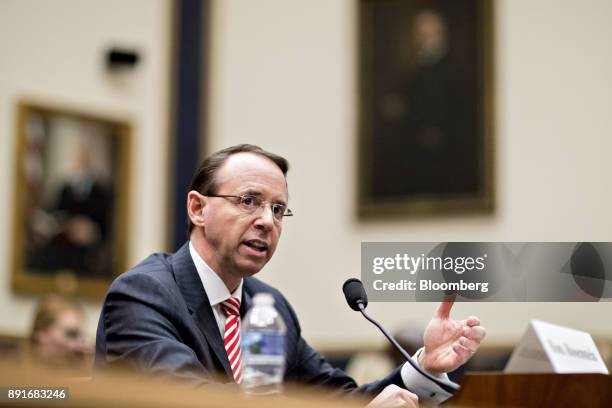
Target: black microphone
<point x="357" y="299"/>
<point x="355" y="294"/>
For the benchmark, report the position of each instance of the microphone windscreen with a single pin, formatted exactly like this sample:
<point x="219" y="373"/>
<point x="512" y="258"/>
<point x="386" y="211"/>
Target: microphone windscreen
<point x="354" y="292"/>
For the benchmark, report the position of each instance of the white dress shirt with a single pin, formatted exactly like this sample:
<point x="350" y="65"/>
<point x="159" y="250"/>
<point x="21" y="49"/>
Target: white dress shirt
<point x="217" y="292"/>
<point x="214" y="287"/>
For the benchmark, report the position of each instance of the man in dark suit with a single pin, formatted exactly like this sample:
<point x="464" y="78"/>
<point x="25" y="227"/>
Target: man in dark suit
<point x="165" y="315"/>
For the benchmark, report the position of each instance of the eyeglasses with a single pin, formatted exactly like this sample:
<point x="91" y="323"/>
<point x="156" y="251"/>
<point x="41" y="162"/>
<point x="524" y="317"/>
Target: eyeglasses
<point x="252" y="203"/>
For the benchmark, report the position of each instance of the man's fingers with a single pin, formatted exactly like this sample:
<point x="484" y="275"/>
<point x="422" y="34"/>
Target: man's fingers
<point x="476" y="333"/>
<point x="394" y="397"/>
<point x="407" y="396"/>
<point x="471" y="345"/>
<point x="444" y="309"/>
<point x="411" y="399"/>
<point x="462" y="352"/>
<point x="471" y="321"/>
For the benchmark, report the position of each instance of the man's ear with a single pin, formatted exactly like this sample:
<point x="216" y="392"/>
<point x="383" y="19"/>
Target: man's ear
<point x="195" y="208"/>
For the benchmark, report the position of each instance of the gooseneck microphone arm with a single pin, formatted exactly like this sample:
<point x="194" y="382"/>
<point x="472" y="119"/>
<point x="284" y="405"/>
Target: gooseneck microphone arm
<point x="387" y="335"/>
<point x="450" y="388"/>
<point x="357" y="300"/>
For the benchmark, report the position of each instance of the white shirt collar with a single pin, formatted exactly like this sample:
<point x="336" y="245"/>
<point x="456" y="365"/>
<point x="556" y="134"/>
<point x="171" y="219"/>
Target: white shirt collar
<point x="215" y="289"/>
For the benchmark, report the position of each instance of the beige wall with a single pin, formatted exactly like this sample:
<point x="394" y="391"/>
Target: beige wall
<point x="52" y="51"/>
<point x="283" y="76"/>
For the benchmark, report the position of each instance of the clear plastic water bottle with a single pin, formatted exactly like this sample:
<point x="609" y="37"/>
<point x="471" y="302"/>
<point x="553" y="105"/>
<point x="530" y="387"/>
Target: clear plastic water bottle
<point x="263" y="347"/>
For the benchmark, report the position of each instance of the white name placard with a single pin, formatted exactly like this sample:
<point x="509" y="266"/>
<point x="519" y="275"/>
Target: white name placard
<point x="549" y="348"/>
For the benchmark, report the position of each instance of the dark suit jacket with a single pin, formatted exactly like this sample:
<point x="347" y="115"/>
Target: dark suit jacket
<point x="157" y="316"/>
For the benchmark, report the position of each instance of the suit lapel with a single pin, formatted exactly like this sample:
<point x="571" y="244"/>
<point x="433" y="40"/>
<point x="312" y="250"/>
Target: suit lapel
<point x="208" y="325"/>
<point x="245" y="305"/>
<point x="190" y="285"/>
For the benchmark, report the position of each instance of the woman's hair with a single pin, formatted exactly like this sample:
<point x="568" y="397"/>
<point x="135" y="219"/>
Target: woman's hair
<point x="47" y="312"/>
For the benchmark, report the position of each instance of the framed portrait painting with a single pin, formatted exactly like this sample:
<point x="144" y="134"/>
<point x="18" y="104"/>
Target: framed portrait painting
<point x="70" y="201"/>
<point x="425" y="107"/>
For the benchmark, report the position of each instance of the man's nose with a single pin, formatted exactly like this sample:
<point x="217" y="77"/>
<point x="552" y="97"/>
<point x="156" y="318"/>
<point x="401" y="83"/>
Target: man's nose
<point x="265" y="218"/>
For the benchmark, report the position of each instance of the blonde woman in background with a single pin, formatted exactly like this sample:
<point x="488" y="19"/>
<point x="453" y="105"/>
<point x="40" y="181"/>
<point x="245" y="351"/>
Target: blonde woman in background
<point x="57" y="338"/>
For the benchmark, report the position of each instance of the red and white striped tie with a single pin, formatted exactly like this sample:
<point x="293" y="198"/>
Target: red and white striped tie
<point x="231" y="339"/>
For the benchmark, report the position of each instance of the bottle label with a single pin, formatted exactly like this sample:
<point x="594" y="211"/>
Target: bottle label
<point x="260" y="345"/>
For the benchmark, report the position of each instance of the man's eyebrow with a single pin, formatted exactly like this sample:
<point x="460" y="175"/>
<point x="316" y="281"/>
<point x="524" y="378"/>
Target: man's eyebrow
<point x="253" y="193"/>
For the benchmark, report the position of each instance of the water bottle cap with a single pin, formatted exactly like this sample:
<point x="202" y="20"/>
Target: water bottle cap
<point x="263" y="299"/>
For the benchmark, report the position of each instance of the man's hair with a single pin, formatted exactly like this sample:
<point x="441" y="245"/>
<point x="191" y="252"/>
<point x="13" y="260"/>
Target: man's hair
<point x="204" y="179"/>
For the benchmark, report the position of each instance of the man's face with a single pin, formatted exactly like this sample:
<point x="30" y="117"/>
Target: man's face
<point x="238" y="244"/>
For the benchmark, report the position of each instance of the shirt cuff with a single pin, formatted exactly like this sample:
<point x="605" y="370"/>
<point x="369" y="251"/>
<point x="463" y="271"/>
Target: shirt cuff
<point x="427" y="390"/>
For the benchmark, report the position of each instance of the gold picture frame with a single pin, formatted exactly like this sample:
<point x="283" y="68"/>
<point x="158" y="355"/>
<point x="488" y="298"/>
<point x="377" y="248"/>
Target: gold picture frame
<point x="425" y="143"/>
<point x="70" y="201"/>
